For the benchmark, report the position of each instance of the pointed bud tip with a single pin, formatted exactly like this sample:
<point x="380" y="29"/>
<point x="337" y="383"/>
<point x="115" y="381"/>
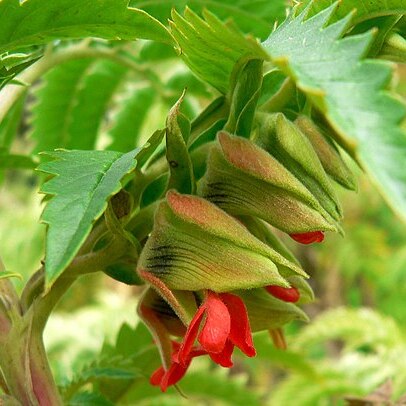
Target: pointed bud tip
<point x="290" y="295"/>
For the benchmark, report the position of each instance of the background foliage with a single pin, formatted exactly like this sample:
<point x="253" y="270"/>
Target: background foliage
<point x="99" y="352"/>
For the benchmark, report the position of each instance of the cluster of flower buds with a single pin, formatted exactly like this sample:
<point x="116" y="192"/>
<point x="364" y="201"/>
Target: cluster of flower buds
<point x="215" y="270"/>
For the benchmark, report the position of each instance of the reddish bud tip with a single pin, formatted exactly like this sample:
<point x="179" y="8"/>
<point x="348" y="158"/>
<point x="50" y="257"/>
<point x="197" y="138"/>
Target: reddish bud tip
<point x="308" y="238"/>
<point x="291" y="295"/>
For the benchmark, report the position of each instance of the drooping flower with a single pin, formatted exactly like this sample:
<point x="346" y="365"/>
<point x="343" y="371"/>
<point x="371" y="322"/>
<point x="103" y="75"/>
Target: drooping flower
<point x="225" y="325"/>
<point x="220" y="323"/>
<point x="207" y="274"/>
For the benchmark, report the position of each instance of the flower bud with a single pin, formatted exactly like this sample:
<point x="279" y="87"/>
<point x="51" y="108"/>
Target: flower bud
<point x="267" y="312"/>
<point x="194" y="245"/>
<point x="243" y="179"/>
<point x="263" y="232"/>
<point x="328" y="154"/>
<point x="246" y="83"/>
<point x="286" y="143"/>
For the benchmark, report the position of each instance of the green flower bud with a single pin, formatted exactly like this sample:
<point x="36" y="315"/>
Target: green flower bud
<point x="286" y="143"/>
<point x="243" y="179"/>
<point x="264" y="233"/>
<point x="328" y="154"/>
<point x="246" y="83"/>
<point x="266" y="312"/>
<point x="194" y="245"/>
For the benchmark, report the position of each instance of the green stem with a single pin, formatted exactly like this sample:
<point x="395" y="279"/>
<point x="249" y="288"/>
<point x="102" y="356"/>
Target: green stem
<point x="11" y="93"/>
<point x="23" y="358"/>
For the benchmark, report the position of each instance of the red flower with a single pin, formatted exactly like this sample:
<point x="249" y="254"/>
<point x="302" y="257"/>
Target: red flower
<point x="286" y="294"/>
<point x="226" y="325"/>
<point x="308" y="238"/>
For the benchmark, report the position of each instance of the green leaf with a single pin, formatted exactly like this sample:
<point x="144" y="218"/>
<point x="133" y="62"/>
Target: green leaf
<point x="35" y="22"/>
<point x="71" y="105"/>
<point x="351" y="92"/>
<point x="14" y="62"/>
<point x="211" y="48"/>
<point x="256" y="17"/>
<point x="354" y="327"/>
<point x="214" y="387"/>
<point x="365" y="10"/>
<point x="107" y="372"/>
<point x="83" y="182"/>
<point x="286" y="359"/>
<point x="89" y="399"/>
<point x="12" y="161"/>
<point x="129" y="119"/>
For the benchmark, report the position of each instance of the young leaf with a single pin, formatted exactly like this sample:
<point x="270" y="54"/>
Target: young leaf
<point x="177" y="133"/>
<point x="71" y="105"/>
<point x="351" y="92"/>
<point x="364" y="9"/>
<point x="256" y="18"/>
<point x="35" y="22"/>
<point x="82" y="183"/>
<point x="211" y="48"/>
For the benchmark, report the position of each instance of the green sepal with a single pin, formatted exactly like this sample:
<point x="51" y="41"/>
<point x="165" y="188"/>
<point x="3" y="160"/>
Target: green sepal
<point x="266" y="312"/>
<point x="286" y="143"/>
<point x="263" y="232"/>
<point x="328" y="153"/>
<point x="246" y="83"/>
<point x="180" y="165"/>
<point x="243" y="179"/>
<point x="306" y="292"/>
<point x="194" y="245"/>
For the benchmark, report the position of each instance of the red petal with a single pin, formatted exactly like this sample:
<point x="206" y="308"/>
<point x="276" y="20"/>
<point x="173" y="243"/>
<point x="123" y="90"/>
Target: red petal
<point x="308" y="238"/>
<point x="183" y="355"/>
<point x="286" y="294"/>
<point x="216" y="329"/>
<point x="223" y="358"/>
<point x="157" y="376"/>
<point x="175" y="373"/>
<point x="240" y="331"/>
